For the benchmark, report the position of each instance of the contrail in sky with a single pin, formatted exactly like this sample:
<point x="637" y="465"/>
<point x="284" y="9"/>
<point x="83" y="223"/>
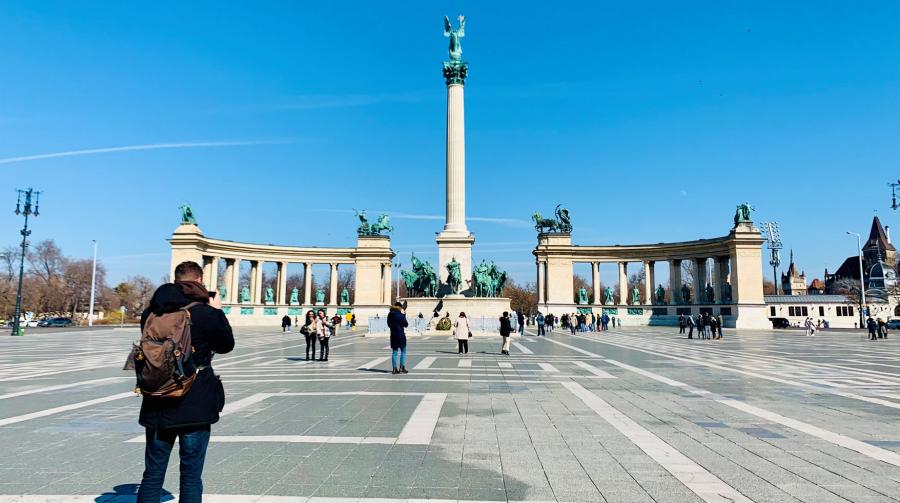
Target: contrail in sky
<point x="130" y="148"/>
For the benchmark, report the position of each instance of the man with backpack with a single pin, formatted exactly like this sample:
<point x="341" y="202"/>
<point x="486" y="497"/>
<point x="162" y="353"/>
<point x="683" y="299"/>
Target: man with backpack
<point x="184" y="401"/>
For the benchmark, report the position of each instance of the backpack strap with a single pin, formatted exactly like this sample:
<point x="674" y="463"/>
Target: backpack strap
<point x="187" y="308"/>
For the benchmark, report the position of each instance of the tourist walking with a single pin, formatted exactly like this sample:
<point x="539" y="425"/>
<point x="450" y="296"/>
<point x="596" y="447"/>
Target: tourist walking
<point x="810" y="327"/>
<point x="462" y="333"/>
<point x="681" y="323"/>
<point x="189" y="417"/>
<point x="690" y="324"/>
<point x="707" y="325"/>
<point x="539" y="320"/>
<point x="505" y="330"/>
<point x="521" y="319"/>
<point x="324" y="330"/>
<point x="309" y="333"/>
<point x="573" y="323"/>
<point x="593" y="322"/>
<point x="396" y="321"/>
<point x="286" y="324"/>
<point x="549" y="319"/>
<point x="720" y="323"/>
<point x="882" y="329"/>
<point x="604" y="322"/>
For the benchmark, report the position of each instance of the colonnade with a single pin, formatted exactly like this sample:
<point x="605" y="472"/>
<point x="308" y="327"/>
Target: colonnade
<point x="735" y="276"/>
<point x="371" y="258"/>
<point x="232" y="284"/>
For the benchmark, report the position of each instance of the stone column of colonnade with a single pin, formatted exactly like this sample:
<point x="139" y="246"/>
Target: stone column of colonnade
<point x="281" y="291"/>
<point x="541" y="282"/>
<point x="674" y="281"/>
<point x="648" y="282"/>
<point x="307" y="283"/>
<point x="233" y="279"/>
<point x="623" y="283"/>
<point x="387" y="278"/>
<point x="333" y="283"/>
<point x="213" y="278"/>
<point x="256" y="282"/>
<point x="595" y="283"/>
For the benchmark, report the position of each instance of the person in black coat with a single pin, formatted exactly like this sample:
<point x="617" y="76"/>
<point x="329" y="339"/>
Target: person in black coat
<point x="286" y="323"/>
<point x="189" y="417"/>
<point x="505" y="330"/>
<point x="396" y="321"/>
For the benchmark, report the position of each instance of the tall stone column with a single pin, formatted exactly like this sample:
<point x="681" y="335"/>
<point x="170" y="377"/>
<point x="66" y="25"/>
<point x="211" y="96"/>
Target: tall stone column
<point x="307" y="284"/>
<point x="281" y="298"/>
<point x="674" y="282"/>
<point x="212" y="282"/>
<point x="255" y="282"/>
<point x="333" y="279"/>
<point x="233" y="280"/>
<point x="455" y="241"/>
<point x="623" y="283"/>
<point x="648" y="282"/>
<point x="717" y="279"/>
<point x="207" y="270"/>
<point x="699" y="280"/>
<point x="595" y="283"/>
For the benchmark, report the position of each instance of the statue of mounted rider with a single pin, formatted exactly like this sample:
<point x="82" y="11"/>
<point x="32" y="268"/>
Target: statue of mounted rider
<point x="561" y="224"/>
<point x="421" y="281"/>
<point x="383" y="224"/>
<point x="488" y="280"/>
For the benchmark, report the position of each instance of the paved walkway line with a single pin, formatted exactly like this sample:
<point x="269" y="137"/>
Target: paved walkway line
<point x="546" y="367"/>
<point x="594" y="370"/>
<point x="230" y="498"/>
<point x="465" y="363"/>
<point x="574" y="348"/>
<point x="703" y="483"/>
<point x="62" y="386"/>
<point x="425" y="363"/>
<point x="421" y="424"/>
<point x="504" y="365"/>
<point x="844" y="441"/>
<point x="374" y="363"/>
<point x="64" y="408"/>
<point x="522" y="348"/>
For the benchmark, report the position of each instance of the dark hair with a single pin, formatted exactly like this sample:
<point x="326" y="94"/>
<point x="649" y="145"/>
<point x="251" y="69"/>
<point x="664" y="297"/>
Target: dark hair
<point x="462" y="314"/>
<point x="505" y="313"/>
<point x="310" y="312"/>
<point x="321" y="311"/>
<point x="188" y="268"/>
<point x="398" y="304"/>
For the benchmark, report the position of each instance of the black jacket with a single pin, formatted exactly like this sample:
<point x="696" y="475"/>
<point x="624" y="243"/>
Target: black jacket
<point x="396" y="321"/>
<point x="210" y="332"/>
<point x="505" y="326"/>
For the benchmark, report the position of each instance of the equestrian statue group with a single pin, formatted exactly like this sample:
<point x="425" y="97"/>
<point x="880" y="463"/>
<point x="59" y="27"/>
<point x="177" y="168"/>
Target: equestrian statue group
<point x="561" y="223"/>
<point x="422" y="281"/>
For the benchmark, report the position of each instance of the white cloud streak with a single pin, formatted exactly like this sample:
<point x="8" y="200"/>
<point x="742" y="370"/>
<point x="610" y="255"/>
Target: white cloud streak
<point x="132" y="148"/>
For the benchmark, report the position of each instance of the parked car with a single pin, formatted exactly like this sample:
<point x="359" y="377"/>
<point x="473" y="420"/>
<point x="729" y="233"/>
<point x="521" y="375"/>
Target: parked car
<point x="780" y="323"/>
<point x="56" y="322"/>
<point x="893" y="324"/>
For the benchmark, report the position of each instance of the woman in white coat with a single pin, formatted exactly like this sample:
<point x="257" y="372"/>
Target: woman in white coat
<point x="461" y="331"/>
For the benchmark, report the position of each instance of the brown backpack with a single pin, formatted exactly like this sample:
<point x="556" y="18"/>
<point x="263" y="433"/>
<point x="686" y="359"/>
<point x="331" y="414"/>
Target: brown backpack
<point x="162" y="359"/>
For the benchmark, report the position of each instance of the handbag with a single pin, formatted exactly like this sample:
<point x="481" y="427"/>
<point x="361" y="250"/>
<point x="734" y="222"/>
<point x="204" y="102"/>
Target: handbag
<point x="470" y="335"/>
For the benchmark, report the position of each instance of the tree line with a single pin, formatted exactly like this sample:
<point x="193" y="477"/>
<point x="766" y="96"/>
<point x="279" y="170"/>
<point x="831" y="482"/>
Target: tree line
<point x="56" y="285"/>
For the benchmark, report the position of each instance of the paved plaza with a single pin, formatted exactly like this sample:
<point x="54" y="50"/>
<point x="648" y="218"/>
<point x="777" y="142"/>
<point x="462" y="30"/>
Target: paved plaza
<point x="632" y="415"/>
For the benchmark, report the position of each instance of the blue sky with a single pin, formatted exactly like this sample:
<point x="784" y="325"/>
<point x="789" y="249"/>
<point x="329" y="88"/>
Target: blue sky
<point x="650" y="121"/>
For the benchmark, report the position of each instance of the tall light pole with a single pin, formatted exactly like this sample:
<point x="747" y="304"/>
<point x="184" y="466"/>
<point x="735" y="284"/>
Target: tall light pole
<point x="773" y="241"/>
<point x="27" y="211"/>
<point x="862" y="281"/>
<point x="93" y="287"/>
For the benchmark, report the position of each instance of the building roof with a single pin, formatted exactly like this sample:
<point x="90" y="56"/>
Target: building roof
<point x="877" y="237"/>
<point x="849" y="269"/>
<point x="817" y="284"/>
<point x="815" y="299"/>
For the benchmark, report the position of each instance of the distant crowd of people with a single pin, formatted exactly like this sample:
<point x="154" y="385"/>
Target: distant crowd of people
<point x="708" y="326"/>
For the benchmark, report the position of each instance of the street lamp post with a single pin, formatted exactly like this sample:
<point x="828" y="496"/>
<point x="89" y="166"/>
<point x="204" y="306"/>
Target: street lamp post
<point x="93" y="287"/>
<point x="862" y="281"/>
<point x="773" y="241"/>
<point x="27" y="211"/>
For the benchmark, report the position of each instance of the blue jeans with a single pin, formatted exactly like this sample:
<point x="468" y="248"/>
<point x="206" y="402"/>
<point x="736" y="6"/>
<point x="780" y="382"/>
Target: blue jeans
<point x="192" y="443"/>
<point x="398" y="353"/>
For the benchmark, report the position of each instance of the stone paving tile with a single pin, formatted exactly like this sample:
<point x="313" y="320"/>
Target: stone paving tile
<point x="492" y="441"/>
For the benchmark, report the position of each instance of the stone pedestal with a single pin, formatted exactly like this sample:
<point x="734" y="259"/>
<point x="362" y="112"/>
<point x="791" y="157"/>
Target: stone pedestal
<point x="475" y="308"/>
<point x="459" y="247"/>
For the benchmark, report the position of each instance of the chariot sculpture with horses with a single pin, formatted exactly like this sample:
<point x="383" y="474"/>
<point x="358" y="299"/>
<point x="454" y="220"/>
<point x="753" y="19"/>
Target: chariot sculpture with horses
<point x="562" y="223"/>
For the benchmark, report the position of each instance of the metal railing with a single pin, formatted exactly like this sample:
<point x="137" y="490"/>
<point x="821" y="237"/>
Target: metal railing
<point x="420" y="325"/>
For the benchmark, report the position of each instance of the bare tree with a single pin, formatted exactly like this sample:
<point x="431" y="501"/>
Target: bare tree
<point x="347" y="279"/>
<point x="523" y="299"/>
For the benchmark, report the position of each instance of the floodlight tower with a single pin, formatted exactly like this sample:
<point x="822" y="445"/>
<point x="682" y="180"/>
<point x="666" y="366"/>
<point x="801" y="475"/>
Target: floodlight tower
<point x="773" y="240"/>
